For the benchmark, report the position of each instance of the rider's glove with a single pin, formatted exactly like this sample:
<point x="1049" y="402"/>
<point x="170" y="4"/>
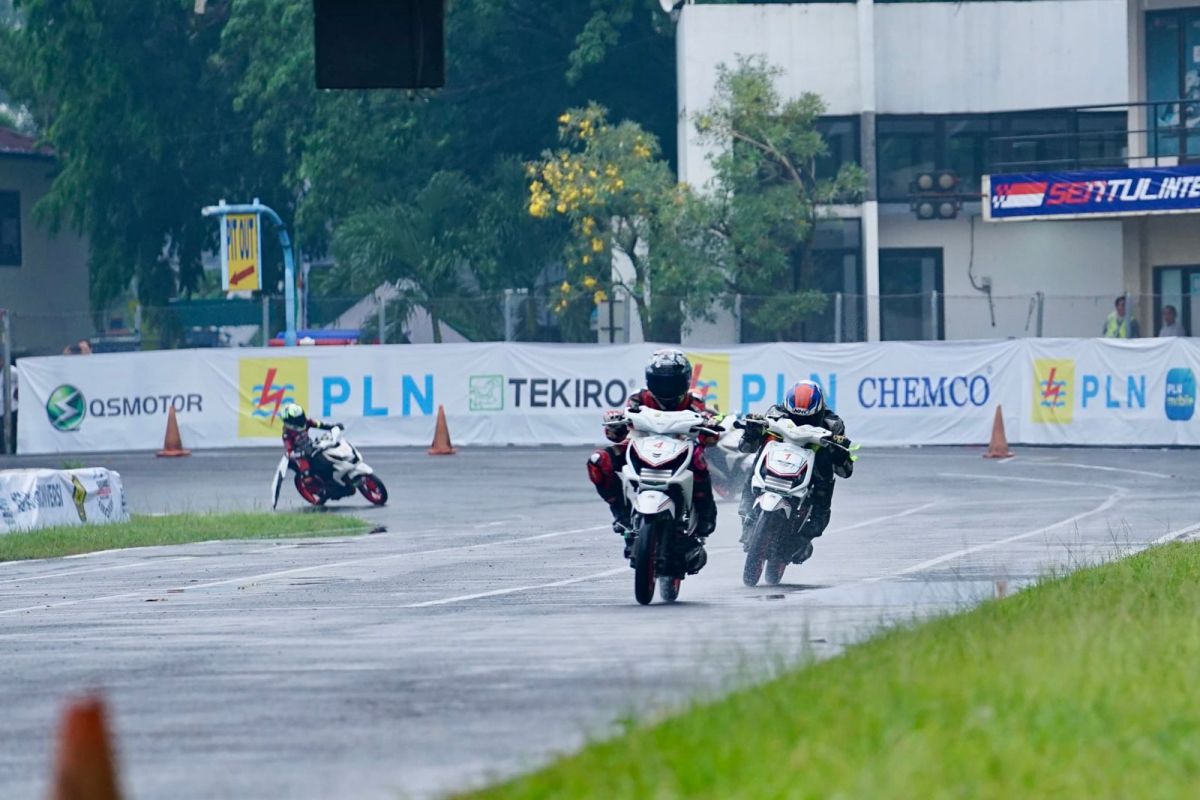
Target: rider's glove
<point x="840" y="441"/>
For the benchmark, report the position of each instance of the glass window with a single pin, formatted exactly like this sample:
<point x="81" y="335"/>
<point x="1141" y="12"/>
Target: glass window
<point x="905" y="148"/>
<point x="966" y="146"/>
<point x="10" y="229"/>
<point x="907" y="280"/>
<point x="1035" y="141"/>
<point x="841" y="140"/>
<point x="1102" y="139"/>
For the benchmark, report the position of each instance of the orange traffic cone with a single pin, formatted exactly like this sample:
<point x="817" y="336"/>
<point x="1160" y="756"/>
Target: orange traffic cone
<point x="172" y="444"/>
<point x="441" y="437"/>
<point x="84" y="769"/>
<point x="999" y="444"/>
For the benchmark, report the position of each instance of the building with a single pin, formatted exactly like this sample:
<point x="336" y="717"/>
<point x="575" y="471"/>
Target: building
<point x="979" y="88"/>
<point x="43" y="278"/>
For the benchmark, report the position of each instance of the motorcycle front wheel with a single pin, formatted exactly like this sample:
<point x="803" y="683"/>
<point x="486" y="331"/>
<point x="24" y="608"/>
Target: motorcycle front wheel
<point x="645" y="551"/>
<point x="668" y="588"/>
<point x="373" y="489"/>
<point x="756" y="548"/>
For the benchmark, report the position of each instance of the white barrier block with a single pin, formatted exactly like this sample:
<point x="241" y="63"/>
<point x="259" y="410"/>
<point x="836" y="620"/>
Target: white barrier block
<point x="42" y="498"/>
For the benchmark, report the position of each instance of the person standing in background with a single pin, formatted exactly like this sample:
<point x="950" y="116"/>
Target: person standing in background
<point x="1118" y="325"/>
<point x="1171" y="325"/>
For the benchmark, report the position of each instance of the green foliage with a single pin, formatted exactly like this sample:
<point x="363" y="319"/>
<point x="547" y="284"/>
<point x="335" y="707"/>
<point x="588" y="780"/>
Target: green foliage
<point x="621" y="199"/>
<point x="767" y="195"/>
<point x="173" y="529"/>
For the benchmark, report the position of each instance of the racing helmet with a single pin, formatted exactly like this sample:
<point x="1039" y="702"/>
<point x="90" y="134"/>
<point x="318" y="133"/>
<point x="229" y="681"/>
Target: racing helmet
<point x="669" y="377"/>
<point x="804" y="399"/>
<point x="616" y="426"/>
<point x="293" y="416"/>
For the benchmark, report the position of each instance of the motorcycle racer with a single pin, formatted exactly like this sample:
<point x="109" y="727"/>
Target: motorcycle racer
<point x="668" y="388"/>
<point x="296" y="443"/>
<point x="804" y="404"/>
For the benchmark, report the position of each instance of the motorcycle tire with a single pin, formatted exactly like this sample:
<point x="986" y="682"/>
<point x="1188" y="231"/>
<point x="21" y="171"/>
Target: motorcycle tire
<point x="668" y="588"/>
<point x="756" y="549"/>
<point x="645" y="551"/>
<point x="370" y="487"/>
<point x="311" y="490"/>
<point x="773" y="573"/>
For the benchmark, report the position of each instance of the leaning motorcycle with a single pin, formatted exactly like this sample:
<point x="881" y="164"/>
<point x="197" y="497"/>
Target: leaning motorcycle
<point x="347" y="473"/>
<point x="726" y="463"/>
<point x="781" y="482"/>
<point x="658" y="482"/>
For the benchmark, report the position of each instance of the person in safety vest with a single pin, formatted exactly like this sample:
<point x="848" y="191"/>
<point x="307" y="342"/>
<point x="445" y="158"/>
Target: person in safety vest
<point x="1119" y="325"/>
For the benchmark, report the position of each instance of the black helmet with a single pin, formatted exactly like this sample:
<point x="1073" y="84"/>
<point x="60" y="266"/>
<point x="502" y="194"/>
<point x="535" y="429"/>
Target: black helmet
<point x="668" y="377"/>
<point x="293" y="417"/>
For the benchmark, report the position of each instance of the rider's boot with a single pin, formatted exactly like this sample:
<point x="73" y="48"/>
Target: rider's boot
<point x="623" y="525"/>
<point x="817" y="522"/>
<point x="706" y="522"/>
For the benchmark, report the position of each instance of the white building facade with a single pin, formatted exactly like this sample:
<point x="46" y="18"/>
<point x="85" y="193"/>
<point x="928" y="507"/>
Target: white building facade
<point x="976" y="88"/>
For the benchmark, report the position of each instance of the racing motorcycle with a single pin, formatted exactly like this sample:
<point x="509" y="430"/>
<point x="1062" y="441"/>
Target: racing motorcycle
<point x="658" y="480"/>
<point x="347" y="474"/>
<point x="782" y="475"/>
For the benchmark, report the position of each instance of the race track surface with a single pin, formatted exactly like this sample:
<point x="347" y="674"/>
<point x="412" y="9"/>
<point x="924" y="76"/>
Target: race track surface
<point x="493" y="624"/>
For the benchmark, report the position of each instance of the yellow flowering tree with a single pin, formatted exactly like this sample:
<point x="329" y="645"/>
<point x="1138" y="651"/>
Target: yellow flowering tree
<point x="620" y="197"/>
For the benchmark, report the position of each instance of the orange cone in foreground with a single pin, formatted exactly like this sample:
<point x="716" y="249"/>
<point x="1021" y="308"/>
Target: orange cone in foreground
<point x="999" y="445"/>
<point x="441" y="437"/>
<point x="85" y="769"/>
<point x="172" y="444"/>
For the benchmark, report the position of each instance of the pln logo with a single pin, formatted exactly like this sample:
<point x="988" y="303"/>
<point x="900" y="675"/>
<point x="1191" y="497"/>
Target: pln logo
<point x="1181" y="394"/>
<point x="265" y="386"/>
<point x="1053" y="388"/>
<point x="710" y="378"/>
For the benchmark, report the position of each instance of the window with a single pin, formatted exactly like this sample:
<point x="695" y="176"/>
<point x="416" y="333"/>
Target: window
<point x="908" y="309"/>
<point x="905" y="148"/>
<point x="1173" y="73"/>
<point x="10" y="229"/>
<point x="974" y="145"/>
<point x="842" y="140"/>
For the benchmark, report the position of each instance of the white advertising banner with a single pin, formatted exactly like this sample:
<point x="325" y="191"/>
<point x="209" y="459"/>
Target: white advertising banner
<point x="43" y="498"/>
<point x="1060" y="391"/>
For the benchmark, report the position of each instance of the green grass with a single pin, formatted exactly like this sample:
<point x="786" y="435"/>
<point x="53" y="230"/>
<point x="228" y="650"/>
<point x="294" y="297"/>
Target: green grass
<point x="173" y="529"/>
<point x="1086" y="686"/>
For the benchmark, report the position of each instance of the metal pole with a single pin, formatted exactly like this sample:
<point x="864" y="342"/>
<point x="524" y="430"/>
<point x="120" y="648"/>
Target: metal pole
<point x="289" y="258"/>
<point x="1041" y="307"/>
<point x="837" y="317"/>
<point x="266" y="320"/>
<point x="1128" y="314"/>
<point x="508" y="315"/>
<point x="10" y="446"/>
<point x="381" y="311"/>
<point x="612" y="319"/>
<point x="737" y="316"/>
<point x="933" y="315"/>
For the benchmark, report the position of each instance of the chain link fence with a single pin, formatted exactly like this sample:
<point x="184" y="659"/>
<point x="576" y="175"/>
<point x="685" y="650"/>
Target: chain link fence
<point x="517" y="316"/>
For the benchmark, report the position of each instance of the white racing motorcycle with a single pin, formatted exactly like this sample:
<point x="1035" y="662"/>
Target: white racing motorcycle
<point x="658" y="480"/>
<point x="782" y="476"/>
<point x="347" y="473"/>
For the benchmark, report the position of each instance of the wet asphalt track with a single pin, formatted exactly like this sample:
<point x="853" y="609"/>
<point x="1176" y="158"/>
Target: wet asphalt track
<point x="494" y="624"/>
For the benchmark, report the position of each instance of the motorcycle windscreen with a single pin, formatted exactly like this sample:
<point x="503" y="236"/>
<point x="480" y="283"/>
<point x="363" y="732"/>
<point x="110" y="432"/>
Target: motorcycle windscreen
<point x="655" y="451"/>
<point x="786" y="461"/>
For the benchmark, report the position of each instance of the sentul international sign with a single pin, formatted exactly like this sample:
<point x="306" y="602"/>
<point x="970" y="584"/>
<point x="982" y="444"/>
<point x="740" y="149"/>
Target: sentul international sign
<point x="1096" y="193"/>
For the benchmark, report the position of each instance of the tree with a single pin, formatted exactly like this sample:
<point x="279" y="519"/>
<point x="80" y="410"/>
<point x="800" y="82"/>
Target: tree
<point x="768" y="192"/>
<point x="622" y="199"/>
<point x="423" y="246"/>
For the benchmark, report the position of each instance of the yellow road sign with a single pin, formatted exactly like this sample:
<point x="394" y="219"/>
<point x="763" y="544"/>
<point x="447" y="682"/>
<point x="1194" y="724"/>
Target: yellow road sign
<point x="241" y="253"/>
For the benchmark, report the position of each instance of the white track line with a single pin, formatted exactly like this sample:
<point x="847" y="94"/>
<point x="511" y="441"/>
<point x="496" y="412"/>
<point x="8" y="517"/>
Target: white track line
<point x="263" y="576"/>
<point x="41" y="576"/>
<point x="515" y="589"/>
<point x="1105" y="469"/>
<point x="966" y="551"/>
<point x="877" y="520"/>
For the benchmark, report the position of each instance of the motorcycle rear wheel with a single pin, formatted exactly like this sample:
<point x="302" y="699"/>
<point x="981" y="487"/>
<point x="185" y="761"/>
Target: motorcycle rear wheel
<point x="756" y="549"/>
<point x="645" y="551"/>
<point x="370" y="487"/>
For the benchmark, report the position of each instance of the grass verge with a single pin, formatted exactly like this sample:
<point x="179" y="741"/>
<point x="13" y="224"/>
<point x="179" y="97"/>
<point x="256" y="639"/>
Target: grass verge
<point x="1085" y="686"/>
<point x="173" y="529"/>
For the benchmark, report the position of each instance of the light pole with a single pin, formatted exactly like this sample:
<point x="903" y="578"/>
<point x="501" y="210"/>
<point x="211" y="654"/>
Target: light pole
<point x="289" y="261"/>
